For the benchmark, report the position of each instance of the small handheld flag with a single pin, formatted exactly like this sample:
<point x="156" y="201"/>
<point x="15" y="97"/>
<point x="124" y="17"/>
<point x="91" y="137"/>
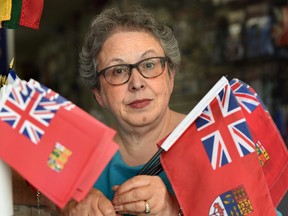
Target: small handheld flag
<point x="56" y="146"/>
<point x="213" y="166"/>
<point x="248" y="138"/>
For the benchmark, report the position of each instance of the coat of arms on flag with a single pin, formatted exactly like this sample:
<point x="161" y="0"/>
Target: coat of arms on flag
<point x="232" y="202"/>
<point x="59" y="157"/>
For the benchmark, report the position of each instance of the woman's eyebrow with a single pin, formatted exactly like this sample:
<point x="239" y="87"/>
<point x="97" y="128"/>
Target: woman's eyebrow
<point x="114" y="61"/>
<point x="148" y="52"/>
<point x="119" y="60"/>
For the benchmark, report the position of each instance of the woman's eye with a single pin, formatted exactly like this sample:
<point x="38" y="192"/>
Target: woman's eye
<point x="149" y="65"/>
<point x="117" y="71"/>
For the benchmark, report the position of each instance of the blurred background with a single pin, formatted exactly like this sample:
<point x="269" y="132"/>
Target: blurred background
<point x="245" y="39"/>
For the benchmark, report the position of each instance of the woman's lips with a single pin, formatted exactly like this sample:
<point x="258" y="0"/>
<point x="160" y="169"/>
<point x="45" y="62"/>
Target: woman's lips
<point x="138" y="104"/>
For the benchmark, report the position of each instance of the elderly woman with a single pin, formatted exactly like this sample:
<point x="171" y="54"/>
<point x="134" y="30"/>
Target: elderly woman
<point x="129" y="60"/>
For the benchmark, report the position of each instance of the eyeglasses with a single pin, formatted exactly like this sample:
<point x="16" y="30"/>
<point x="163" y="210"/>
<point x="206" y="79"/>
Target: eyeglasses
<point x="119" y="74"/>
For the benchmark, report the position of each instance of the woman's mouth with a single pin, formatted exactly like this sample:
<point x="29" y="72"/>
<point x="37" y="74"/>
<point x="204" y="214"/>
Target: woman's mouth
<point x="139" y="104"/>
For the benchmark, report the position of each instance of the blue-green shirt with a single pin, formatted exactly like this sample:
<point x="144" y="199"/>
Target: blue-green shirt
<point x="117" y="172"/>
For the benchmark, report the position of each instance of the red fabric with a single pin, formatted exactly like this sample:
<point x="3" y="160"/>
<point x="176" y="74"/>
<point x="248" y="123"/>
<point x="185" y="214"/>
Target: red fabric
<point x="214" y="169"/>
<point x="31" y="13"/>
<point x="273" y="153"/>
<point x="73" y="140"/>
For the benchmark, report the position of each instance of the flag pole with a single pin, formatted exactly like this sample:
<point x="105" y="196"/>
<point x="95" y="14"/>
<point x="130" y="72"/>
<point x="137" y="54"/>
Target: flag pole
<point x="6" y="194"/>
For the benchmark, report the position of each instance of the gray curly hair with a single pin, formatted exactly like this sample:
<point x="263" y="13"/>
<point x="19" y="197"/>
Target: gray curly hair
<point x="113" y="20"/>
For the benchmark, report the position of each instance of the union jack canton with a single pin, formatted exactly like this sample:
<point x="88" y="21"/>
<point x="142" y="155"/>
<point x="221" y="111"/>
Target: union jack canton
<point x="222" y="125"/>
<point x="27" y="110"/>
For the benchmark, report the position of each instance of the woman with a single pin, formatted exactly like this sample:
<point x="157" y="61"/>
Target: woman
<point x="129" y="60"/>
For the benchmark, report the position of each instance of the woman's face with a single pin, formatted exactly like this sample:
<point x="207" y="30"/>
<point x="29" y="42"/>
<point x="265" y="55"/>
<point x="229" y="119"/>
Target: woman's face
<point x="140" y="101"/>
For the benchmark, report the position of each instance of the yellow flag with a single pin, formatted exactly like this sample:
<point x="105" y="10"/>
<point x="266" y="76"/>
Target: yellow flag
<point x="5" y="10"/>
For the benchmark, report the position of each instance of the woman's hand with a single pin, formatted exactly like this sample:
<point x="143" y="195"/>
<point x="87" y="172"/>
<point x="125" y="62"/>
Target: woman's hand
<point x="133" y="195"/>
<point x="94" y="204"/>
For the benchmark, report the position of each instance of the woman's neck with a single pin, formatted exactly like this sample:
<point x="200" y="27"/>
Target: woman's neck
<point x="137" y="146"/>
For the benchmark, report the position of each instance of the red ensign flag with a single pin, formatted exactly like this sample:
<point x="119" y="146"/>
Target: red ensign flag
<point x="60" y="149"/>
<point x="213" y="166"/>
<point x="270" y="146"/>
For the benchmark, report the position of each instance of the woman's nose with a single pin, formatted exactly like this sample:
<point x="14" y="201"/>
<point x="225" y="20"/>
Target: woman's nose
<point x="137" y="81"/>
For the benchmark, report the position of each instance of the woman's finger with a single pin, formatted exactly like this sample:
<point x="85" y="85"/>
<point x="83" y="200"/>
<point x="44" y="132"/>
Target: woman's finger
<point x="136" y="208"/>
<point x="134" y="195"/>
<point x="135" y="182"/>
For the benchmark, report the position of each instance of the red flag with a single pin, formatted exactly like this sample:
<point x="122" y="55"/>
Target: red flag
<point x="31" y="13"/>
<point x="60" y="149"/>
<point x="213" y="166"/>
<point x="270" y="145"/>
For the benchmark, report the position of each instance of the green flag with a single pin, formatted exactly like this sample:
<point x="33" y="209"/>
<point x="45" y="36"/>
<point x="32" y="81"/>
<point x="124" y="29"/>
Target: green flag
<point x="13" y="23"/>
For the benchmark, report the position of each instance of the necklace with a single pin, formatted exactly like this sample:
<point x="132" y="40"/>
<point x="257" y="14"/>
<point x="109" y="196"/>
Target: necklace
<point x="38" y="196"/>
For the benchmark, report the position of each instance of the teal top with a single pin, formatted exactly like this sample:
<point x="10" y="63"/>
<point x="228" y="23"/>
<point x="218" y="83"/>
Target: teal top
<point x="117" y="172"/>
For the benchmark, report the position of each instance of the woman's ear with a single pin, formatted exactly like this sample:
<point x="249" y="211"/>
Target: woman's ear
<point x="97" y="96"/>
